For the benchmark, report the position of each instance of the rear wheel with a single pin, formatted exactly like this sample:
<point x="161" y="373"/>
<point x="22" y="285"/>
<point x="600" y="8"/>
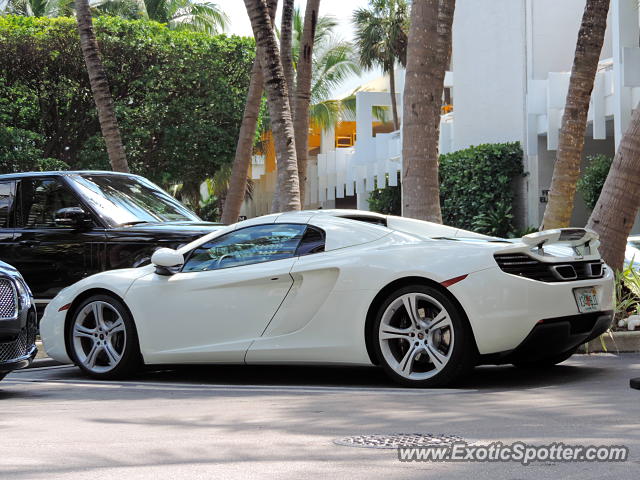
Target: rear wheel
<point x="422" y="339"/>
<point x="102" y="338"/>
<point x="547" y="362"/>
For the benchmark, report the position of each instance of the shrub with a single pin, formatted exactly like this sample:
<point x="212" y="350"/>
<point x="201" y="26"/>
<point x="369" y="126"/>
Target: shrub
<point x="592" y="180"/>
<point x="179" y="95"/>
<point x="476" y="188"/>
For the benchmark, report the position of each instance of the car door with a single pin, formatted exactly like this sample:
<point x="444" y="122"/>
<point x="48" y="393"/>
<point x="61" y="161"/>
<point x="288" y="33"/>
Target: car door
<point x="7" y="201"/>
<point x="49" y="255"/>
<point x="223" y="298"/>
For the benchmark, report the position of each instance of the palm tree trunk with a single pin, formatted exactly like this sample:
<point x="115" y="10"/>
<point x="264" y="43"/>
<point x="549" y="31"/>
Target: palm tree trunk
<point x="394" y="103"/>
<point x="100" y="88"/>
<point x="286" y="33"/>
<point x="278" y="100"/>
<point x="244" y="148"/>
<point x="303" y="92"/>
<point x="574" y="121"/>
<point x="428" y="55"/>
<point x="616" y="209"/>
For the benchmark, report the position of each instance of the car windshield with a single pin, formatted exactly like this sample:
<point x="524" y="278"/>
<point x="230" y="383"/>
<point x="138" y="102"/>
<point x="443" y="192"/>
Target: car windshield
<point x="130" y="200"/>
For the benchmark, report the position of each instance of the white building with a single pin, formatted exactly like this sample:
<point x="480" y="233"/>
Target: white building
<point x="510" y="72"/>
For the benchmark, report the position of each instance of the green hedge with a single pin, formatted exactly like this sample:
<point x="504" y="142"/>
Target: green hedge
<point x="476" y="188"/>
<point x="179" y="95"/>
<point x="592" y="180"/>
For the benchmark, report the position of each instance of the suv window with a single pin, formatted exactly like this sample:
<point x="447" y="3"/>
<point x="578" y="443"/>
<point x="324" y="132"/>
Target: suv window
<point x="256" y="244"/>
<point x="38" y="201"/>
<point x="7" y="195"/>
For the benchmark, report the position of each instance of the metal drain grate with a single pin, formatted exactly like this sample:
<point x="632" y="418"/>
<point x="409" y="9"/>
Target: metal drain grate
<point x="395" y="440"/>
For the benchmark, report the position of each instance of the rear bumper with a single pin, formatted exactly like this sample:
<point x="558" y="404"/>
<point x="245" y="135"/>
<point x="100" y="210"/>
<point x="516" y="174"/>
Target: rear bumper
<point x="554" y="336"/>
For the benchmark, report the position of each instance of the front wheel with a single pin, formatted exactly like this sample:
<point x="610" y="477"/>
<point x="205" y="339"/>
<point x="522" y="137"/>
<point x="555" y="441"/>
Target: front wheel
<point x="102" y="338"/>
<point x="422" y="339"/>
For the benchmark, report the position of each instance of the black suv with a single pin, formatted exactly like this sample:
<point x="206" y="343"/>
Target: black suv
<point x="17" y="322"/>
<point x="59" y="227"/>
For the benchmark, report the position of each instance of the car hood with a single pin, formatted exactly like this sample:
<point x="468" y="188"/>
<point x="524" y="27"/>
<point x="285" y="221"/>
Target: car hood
<point x="186" y="229"/>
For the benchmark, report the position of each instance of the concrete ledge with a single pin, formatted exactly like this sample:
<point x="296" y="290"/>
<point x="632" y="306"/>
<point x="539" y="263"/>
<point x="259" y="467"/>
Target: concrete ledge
<point x="614" y="342"/>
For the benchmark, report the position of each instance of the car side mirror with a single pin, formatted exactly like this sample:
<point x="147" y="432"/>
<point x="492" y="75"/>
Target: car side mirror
<point x="74" y="217"/>
<point x="167" y="261"/>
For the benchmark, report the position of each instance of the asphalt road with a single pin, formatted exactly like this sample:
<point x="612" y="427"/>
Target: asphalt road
<point x="281" y="422"/>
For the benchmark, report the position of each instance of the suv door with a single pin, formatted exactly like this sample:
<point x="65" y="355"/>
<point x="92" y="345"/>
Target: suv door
<point x="49" y="254"/>
<point x="7" y="201"/>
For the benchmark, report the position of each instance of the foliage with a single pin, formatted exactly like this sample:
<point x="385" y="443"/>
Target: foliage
<point x="39" y="8"/>
<point x="496" y="222"/>
<point x="476" y="191"/>
<point x="386" y="200"/>
<point x="627" y="292"/>
<point x="592" y="180"/>
<point x="192" y="15"/>
<point x="381" y="33"/>
<point x="179" y="95"/>
<point x="22" y="150"/>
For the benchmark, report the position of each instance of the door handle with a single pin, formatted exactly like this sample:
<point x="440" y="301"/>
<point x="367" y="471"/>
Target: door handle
<point x="29" y="243"/>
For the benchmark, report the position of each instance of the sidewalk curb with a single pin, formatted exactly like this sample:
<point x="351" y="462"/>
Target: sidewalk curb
<point x="614" y="342"/>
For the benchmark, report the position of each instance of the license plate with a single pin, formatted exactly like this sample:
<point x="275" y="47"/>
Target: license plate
<point x="587" y="299"/>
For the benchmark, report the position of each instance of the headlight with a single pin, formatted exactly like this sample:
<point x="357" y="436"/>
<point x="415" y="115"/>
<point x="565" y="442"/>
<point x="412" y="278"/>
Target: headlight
<point x="23" y="293"/>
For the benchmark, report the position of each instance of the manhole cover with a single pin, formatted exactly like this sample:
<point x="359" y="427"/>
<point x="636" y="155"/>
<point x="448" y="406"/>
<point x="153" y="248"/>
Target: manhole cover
<point x="395" y="440"/>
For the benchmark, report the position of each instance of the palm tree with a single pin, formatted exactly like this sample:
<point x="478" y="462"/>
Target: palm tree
<point x="616" y="209"/>
<point x="381" y="39"/>
<point x="278" y="102"/>
<point x="100" y="88"/>
<point x="286" y="49"/>
<point x="39" y="8"/>
<point x="240" y="168"/>
<point x="574" y="121"/>
<point x="177" y="14"/>
<point x="428" y="56"/>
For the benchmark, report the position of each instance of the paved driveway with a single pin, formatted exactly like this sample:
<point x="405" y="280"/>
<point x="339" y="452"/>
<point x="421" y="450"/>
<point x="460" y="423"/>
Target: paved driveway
<point x="280" y="422"/>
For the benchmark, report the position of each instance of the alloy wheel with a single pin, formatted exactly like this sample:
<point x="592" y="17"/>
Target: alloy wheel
<point x="416" y="336"/>
<point x="99" y="337"/>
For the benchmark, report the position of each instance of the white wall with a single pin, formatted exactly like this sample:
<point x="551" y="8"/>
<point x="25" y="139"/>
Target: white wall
<point x="489" y="71"/>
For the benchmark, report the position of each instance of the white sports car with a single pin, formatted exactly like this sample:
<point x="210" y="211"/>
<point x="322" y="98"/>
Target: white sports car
<point x="426" y="302"/>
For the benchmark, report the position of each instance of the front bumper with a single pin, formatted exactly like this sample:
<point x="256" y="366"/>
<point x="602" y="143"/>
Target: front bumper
<point x="18" y="345"/>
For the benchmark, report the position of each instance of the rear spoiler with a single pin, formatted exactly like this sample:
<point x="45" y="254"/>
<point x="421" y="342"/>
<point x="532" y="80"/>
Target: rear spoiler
<point x="575" y="237"/>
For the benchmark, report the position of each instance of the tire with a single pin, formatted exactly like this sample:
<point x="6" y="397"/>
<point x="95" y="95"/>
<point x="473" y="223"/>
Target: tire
<point x="104" y="346"/>
<point x="2" y="375"/>
<point x="415" y="351"/>
<point x="546" y="362"/>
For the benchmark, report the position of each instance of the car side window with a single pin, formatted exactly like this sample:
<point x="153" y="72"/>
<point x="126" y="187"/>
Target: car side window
<point x="38" y="201"/>
<point x="312" y="242"/>
<point x="7" y="196"/>
<point x="250" y="245"/>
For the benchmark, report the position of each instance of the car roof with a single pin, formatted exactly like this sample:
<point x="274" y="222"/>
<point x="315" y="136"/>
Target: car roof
<point x="62" y="173"/>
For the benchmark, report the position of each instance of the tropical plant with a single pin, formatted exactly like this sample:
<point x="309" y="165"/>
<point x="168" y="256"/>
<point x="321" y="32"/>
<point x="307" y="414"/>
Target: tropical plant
<point x="428" y="57"/>
<point x="627" y="292"/>
<point x="174" y="91"/>
<point x="617" y="207"/>
<point x="381" y="40"/>
<point x="201" y="16"/>
<point x="288" y="189"/>
<point x="246" y="137"/>
<point x="593" y="178"/>
<point x="476" y="189"/>
<point x="100" y="88"/>
<point x="304" y="70"/>
<point x="39" y="8"/>
<point x="566" y="170"/>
